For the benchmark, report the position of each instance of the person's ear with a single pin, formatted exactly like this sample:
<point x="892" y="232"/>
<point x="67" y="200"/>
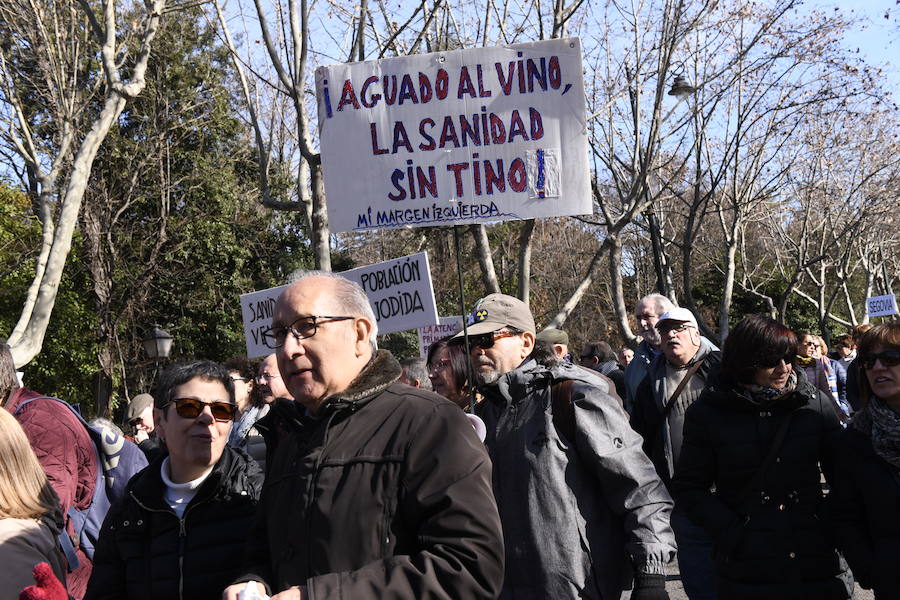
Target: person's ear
<point x="159" y="422"/>
<point x="362" y="327"/>
<point x="527" y="344"/>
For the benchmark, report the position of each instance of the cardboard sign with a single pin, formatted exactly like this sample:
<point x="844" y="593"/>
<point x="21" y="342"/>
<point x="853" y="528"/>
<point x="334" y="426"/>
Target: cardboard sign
<point x="465" y="136"/>
<point x="432" y="333"/>
<point x="882" y="306"/>
<point x="400" y="293"/>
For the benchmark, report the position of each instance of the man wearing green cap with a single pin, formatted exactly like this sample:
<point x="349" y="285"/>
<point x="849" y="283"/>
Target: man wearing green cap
<point x="584" y="513"/>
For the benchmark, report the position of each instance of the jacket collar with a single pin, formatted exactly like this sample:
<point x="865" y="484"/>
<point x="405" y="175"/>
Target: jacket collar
<point x="229" y="475"/>
<point x="381" y="372"/>
<point x="724" y="392"/>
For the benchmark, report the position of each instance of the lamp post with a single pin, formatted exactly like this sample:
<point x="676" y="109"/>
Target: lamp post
<point x="680" y="89"/>
<point x="157" y="345"/>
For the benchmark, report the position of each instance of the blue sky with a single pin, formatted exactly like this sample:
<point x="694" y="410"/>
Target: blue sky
<point x="878" y="39"/>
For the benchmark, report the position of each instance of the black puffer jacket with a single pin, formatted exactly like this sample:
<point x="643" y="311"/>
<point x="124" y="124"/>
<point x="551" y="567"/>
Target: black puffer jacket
<point x="146" y="551"/>
<point x="773" y="544"/>
<point x="386" y="493"/>
<point x="865" y="509"/>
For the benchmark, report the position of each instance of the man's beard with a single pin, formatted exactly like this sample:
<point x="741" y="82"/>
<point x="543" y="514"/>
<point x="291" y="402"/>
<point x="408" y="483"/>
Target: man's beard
<point x="486" y="377"/>
<point x="651" y="336"/>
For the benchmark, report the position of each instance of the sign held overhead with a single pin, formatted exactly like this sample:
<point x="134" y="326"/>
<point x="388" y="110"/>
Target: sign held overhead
<point x="399" y="290"/>
<point x="465" y="136"/>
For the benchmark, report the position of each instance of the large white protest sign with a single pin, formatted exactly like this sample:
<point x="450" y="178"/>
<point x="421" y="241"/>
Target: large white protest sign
<point x="399" y="290"/>
<point x="882" y="306"/>
<point x="429" y="334"/>
<point x="465" y="136"/>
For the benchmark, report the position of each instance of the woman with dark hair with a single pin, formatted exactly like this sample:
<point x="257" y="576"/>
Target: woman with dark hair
<point x="448" y="371"/>
<point x="756" y="436"/>
<point x="180" y="529"/>
<point x="866" y="491"/>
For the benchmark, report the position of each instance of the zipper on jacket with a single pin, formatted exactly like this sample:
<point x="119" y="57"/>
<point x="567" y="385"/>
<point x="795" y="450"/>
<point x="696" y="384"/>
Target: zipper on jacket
<point x="182" y="535"/>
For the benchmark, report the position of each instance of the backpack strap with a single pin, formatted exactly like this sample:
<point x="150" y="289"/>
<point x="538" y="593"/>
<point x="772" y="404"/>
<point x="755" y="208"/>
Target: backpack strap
<point x="681" y="385"/>
<point x="563" y="409"/>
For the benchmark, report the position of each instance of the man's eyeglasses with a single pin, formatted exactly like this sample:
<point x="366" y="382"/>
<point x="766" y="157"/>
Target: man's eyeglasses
<point x="888" y="358"/>
<point x="135" y="422"/>
<point x="484" y="340"/>
<point x="302" y="328"/>
<point x="190" y="408"/>
<point x="770" y="362"/>
<point x="244" y="379"/>
<point x="674" y="328"/>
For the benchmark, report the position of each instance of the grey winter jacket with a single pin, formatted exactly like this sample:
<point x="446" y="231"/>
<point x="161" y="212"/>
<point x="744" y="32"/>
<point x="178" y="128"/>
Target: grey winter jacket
<point x="579" y="516"/>
<point x="650" y="400"/>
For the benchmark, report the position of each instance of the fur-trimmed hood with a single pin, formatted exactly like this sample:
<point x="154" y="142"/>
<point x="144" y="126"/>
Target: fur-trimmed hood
<point x="382" y="371"/>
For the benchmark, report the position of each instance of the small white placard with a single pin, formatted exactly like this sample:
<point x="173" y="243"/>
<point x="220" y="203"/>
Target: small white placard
<point x="429" y="334"/>
<point x="882" y="306"/>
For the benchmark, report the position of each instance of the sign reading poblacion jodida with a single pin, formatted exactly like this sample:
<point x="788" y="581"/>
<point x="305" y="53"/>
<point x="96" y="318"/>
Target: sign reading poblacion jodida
<point x="400" y="292"/>
<point x="467" y="136"/>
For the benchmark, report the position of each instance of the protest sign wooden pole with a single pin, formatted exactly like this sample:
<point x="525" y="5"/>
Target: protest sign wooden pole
<point x="462" y="309"/>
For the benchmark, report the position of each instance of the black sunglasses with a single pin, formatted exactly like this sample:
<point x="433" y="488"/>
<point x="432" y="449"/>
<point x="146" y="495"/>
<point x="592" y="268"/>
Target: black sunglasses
<point x="888" y="358"/>
<point x="770" y="362"/>
<point x="484" y="340"/>
<point x="190" y="408"/>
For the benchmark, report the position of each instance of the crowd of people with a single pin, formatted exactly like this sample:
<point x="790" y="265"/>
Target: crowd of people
<point x="499" y="466"/>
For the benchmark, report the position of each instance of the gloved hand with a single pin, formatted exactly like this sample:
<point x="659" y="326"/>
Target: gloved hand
<point x="649" y="587"/>
<point x="48" y="586"/>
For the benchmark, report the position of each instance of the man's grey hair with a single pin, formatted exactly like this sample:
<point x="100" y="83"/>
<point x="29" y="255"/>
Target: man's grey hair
<point x="661" y="303"/>
<point x="349" y="296"/>
<point x="416" y="369"/>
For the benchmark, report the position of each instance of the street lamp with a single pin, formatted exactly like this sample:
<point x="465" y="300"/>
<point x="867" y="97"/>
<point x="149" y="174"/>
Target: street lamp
<point x="681" y="88"/>
<point x="157" y="343"/>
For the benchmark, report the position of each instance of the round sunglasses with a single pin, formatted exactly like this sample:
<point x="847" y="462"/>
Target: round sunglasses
<point x="190" y="408"/>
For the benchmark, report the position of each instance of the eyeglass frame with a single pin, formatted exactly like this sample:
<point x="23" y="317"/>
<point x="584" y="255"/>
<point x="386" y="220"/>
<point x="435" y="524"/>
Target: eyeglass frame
<point x="212" y="405"/>
<point x="789" y="359"/>
<point x="475" y="341"/>
<point x="269" y="333"/>
<point x="868" y="361"/>
<point x="685" y="325"/>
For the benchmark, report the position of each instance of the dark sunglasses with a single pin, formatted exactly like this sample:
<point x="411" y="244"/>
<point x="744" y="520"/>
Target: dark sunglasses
<point x="770" y="362"/>
<point x="135" y="422"/>
<point x="190" y="408"/>
<point x="888" y="358"/>
<point x="484" y="340"/>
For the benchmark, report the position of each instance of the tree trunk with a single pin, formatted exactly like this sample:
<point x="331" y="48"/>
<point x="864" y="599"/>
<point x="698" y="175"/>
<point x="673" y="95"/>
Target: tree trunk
<point x="618" y="293"/>
<point x="485" y="260"/>
<point x="728" y="288"/>
<point x="27" y="345"/>
<point x="525" y="234"/>
<point x="319" y="235"/>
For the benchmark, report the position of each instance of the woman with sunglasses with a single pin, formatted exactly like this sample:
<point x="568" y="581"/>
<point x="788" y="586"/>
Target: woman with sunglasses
<point x="180" y="530"/>
<point x="749" y="473"/>
<point x="865" y="499"/>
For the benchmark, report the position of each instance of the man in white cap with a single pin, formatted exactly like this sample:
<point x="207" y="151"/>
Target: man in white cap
<point x="674" y="380"/>
<point x="583" y="511"/>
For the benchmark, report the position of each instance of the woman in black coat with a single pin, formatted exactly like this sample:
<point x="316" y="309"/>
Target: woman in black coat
<point x="749" y="471"/>
<point x="865" y="500"/>
<point x="179" y="532"/>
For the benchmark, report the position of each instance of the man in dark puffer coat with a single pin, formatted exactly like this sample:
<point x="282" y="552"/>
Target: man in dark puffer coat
<point x="776" y="534"/>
